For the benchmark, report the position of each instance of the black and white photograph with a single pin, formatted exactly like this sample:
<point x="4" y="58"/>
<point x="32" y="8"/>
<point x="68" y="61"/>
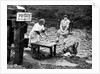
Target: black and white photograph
<point x="49" y="36"/>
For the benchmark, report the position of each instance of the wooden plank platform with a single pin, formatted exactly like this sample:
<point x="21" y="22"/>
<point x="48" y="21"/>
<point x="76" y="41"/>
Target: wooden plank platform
<point x="44" y="44"/>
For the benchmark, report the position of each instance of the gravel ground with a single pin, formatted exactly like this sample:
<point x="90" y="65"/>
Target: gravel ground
<point x="83" y="58"/>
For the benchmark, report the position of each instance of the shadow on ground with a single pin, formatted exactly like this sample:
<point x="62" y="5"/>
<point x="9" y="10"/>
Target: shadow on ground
<point x="41" y="61"/>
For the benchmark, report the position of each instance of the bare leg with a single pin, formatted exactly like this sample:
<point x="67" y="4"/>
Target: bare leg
<point x="29" y="44"/>
<point x="38" y="38"/>
<point x="57" y="40"/>
<point x="58" y="35"/>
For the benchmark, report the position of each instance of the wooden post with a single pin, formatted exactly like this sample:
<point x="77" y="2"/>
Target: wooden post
<point x="8" y="53"/>
<point x="33" y="49"/>
<point x="38" y="49"/>
<point x="54" y="50"/>
<point x="19" y="48"/>
<point x="8" y="44"/>
<point x="50" y="51"/>
<point x="21" y="42"/>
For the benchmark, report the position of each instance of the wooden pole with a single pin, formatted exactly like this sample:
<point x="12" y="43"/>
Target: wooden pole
<point x="38" y="49"/>
<point x="8" y="44"/>
<point x="19" y="49"/>
<point x="54" y="50"/>
<point x="50" y="51"/>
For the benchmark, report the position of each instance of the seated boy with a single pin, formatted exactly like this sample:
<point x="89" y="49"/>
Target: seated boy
<point x="64" y="25"/>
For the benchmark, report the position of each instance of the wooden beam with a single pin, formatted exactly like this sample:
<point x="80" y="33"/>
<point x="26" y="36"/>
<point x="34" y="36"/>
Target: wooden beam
<point x="54" y="50"/>
<point x="19" y="48"/>
<point x="50" y="51"/>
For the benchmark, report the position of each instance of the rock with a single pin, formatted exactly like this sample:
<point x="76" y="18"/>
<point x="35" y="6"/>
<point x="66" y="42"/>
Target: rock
<point x="89" y="61"/>
<point x="67" y="54"/>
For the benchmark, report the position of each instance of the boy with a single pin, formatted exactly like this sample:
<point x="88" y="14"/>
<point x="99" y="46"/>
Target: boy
<point x="36" y="30"/>
<point x="64" y="25"/>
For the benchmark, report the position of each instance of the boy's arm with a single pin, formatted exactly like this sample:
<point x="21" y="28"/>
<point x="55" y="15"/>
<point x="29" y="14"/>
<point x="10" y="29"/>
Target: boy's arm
<point x="61" y="26"/>
<point x="30" y="35"/>
<point x="67" y="26"/>
<point x="45" y="34"/>
<point x="43" y="30"/>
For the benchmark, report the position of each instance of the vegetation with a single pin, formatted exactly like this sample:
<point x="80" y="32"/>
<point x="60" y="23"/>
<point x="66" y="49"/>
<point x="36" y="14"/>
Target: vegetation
<point x="81" y="15"/>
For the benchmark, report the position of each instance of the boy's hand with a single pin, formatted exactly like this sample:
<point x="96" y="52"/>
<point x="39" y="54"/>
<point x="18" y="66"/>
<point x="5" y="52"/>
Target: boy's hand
<point x="62" y="31"/>
<point x="46" y="28"/>
<point x="46" y="35"/>
<point x="29" y="45"/>
<point x="41" y="36"/>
